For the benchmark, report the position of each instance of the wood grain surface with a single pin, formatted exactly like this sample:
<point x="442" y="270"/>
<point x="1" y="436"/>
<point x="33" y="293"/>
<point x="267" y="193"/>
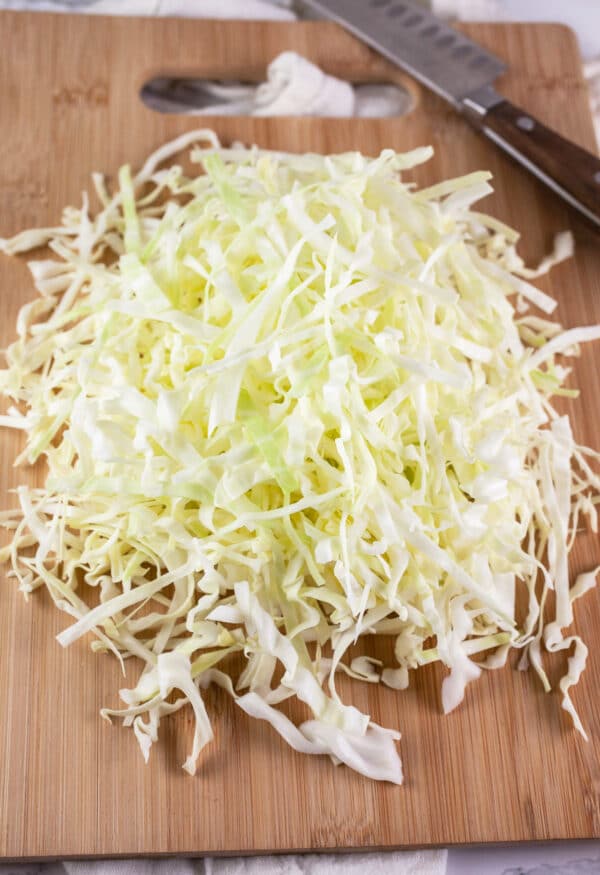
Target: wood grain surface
<point x="507" y="765"/>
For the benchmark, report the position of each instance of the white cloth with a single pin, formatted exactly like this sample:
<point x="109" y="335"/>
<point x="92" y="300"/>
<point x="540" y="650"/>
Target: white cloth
<point x="294" y="86"/>
<point x="293" y="83"/>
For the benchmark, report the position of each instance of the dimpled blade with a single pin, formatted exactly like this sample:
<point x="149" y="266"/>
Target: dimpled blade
<point x="430" y="50"/>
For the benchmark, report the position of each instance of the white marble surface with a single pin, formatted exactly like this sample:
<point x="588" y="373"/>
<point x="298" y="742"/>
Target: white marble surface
<point x="556" y="858"/>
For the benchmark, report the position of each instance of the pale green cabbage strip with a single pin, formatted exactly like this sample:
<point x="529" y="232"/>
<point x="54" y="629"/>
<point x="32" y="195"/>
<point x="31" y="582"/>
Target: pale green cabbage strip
<point x="284" y="404"/>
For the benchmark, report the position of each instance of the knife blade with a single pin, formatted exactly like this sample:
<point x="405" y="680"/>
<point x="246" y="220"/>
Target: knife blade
<point x="463" y="73"/>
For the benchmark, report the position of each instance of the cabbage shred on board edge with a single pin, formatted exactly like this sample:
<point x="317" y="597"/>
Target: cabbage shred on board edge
<point x="286" y="403"/>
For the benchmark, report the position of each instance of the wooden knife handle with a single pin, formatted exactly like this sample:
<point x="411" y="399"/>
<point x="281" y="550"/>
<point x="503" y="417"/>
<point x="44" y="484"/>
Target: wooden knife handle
<point x="569" y="170"/>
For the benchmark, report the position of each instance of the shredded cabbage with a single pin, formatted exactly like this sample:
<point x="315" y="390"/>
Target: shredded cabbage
<point x="287" y="403"/>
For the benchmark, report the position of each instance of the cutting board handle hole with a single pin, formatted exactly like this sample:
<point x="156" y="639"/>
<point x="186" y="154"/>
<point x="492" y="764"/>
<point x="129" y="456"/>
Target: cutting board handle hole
<point x="218" y="97"/>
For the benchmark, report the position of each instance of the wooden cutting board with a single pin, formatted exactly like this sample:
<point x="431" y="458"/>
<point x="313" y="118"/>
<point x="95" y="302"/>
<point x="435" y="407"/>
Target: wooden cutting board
<point x="507" y="765"/>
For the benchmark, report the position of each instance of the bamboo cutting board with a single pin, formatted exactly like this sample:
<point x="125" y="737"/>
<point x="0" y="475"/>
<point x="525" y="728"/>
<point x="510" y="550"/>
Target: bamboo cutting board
<point x="506" y="766"/>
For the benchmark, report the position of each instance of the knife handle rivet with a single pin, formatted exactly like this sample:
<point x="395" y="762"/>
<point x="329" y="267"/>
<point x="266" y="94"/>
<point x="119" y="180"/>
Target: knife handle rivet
<point x="525" y="123"/>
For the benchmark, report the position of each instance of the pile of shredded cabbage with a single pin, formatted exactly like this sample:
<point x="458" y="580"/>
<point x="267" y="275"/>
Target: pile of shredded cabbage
<point x="285" y="403"/>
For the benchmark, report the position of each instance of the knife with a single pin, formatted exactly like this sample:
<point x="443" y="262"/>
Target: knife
<point x="463" y="73"/>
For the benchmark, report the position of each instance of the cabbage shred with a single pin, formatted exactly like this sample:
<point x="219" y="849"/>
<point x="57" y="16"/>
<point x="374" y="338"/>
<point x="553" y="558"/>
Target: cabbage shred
<point x="287" y="403"/>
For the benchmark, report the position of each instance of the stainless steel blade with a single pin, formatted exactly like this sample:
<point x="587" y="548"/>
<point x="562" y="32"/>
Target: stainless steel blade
<point x="430" y="50"/>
